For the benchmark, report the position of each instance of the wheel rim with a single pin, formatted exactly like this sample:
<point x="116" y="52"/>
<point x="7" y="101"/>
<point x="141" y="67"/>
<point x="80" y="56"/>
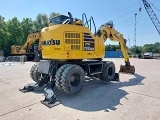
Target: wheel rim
<point x="110" y="71"/>
<point x="75" y="80"/>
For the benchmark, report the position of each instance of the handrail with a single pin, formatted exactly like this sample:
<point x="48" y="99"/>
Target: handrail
<point x="91" y="19"/>
<point x="84" y="15"/>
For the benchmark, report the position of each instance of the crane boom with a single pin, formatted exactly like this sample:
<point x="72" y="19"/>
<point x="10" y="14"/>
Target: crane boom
<point x="152" y="15"/>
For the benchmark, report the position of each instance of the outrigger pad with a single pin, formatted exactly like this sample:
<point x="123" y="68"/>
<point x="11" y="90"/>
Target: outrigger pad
<point x="27" y="88"/>
<point x="127" y="69"/>
<point x="51" y="104"/>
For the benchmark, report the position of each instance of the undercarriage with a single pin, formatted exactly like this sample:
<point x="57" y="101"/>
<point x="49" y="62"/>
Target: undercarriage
<point x="67" y="76"/>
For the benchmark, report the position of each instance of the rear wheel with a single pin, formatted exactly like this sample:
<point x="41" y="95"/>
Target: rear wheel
<point x="71" y="79"/>
<point x="108" y="72"/>
<point x="35" y="75"/>
<point x="58" y="76"/>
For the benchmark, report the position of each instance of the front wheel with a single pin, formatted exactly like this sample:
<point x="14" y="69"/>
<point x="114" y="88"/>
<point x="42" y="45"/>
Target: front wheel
<point x="72" y="79"/>
<point x="108" y="72"/>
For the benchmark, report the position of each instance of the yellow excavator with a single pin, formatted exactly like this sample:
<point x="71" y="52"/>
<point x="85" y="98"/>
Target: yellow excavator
<point x="31" y="48"/>
<point x="70" y="52"/>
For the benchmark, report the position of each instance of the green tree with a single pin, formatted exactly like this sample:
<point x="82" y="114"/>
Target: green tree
<point x="41" y="22"/>
<point x="129" y="52"/>
<point x="136" y="49"/>
<point x="148" y="48"/>
<point x="112" y="47"/>
<point x="139" y="50"/>
<point x="15" y="33"/>
<point x="53" y="14"/>
<point x="26" y="27"/>
<point x="156" y="47"/>
<point x="4" y="35"/>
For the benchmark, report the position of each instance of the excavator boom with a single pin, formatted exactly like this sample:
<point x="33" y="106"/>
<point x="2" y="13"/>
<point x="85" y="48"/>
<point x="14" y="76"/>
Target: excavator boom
<point x="27" y="49"/>
<point x="31" y="38"/>
<point x="107" y="31"/>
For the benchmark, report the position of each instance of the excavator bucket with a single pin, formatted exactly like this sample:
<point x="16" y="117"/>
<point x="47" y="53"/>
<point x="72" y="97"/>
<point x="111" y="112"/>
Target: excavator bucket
<point x="127" y="69"/>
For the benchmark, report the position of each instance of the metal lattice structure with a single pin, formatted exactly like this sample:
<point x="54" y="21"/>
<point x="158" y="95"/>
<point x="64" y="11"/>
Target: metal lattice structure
<point x="152" y="15"/>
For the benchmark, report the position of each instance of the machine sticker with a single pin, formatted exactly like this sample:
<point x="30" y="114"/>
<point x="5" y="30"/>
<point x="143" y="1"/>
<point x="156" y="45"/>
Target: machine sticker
<point x="89" y="53"/>
<point x="51" y="42"/>
<point x="57" y="48"/>
<point x="88" y="46"/>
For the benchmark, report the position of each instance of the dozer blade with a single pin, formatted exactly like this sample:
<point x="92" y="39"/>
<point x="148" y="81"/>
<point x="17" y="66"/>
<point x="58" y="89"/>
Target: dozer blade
<point x="127" y="69"/>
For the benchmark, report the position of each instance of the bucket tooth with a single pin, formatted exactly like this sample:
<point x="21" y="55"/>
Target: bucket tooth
<point x="127" y="69"/>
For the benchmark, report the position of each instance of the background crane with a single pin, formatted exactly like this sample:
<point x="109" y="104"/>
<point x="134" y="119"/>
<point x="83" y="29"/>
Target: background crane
<point x="152" y="15"/>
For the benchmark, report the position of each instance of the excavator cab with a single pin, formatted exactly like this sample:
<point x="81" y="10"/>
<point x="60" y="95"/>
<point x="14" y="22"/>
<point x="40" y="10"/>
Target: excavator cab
<point x="62" y="19"/>
<point x="58" y="19"/>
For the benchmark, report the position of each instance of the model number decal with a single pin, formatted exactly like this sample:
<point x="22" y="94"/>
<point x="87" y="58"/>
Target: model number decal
<point x="88" y="46"/>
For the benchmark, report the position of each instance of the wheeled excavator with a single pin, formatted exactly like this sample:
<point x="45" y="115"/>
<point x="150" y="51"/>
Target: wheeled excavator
<point x="30" y="49"/>
<point x="71" y="52"/>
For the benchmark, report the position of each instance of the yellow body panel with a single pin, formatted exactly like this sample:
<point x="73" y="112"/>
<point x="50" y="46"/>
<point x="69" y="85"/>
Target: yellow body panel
<point x="67" y="41"/>
<point x="17" y="50"/>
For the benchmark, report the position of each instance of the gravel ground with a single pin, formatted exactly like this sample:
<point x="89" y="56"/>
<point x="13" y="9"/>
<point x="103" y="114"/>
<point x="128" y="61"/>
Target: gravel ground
<point x="135" y="97"/>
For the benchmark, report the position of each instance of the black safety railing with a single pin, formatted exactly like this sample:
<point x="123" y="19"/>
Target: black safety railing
<point x="89" y="22"/>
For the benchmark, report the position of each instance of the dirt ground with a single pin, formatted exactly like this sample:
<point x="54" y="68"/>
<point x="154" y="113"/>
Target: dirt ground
<point x="135" y="97"/>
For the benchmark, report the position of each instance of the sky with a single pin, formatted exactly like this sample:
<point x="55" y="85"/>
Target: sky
<point x="121" y="13"/>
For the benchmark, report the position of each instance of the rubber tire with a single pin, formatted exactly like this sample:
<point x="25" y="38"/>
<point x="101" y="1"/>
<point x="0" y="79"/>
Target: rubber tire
<point x="65" y="78"/>
<point x="108" y="68"/>
<point x="58" y="76"/>
<point x="34" y="74"/>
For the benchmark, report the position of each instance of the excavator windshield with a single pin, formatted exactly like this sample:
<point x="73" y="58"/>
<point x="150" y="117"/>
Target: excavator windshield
<point x="58" y="19"/>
